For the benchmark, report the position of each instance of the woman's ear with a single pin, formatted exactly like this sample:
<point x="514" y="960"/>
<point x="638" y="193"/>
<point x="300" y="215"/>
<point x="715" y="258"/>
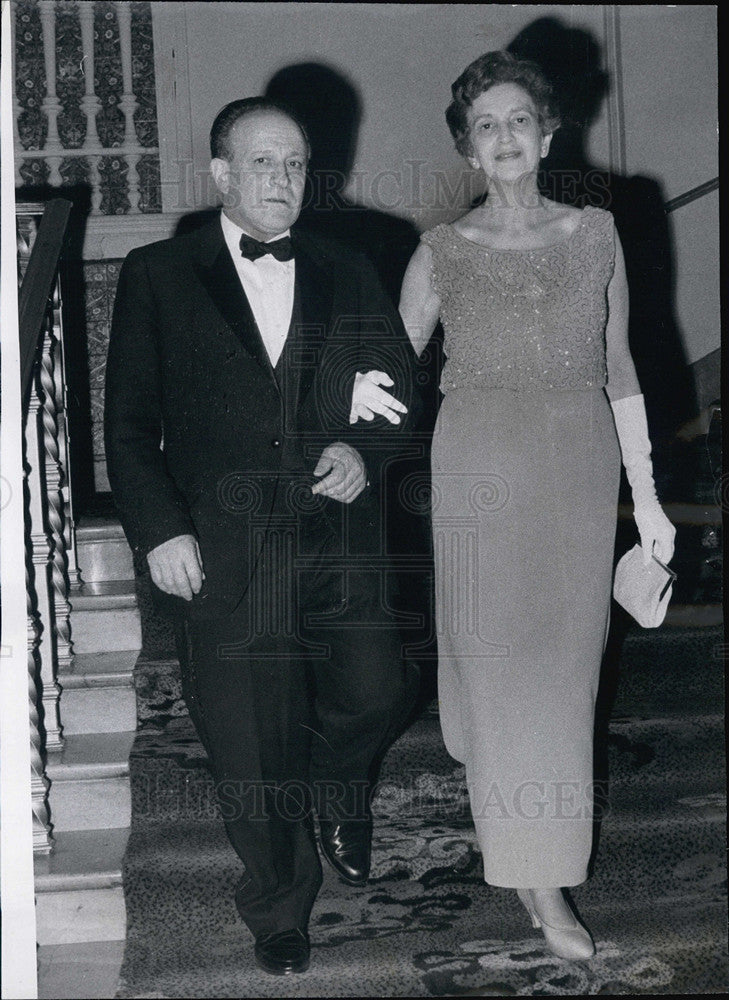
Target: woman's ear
<point x="473" y="162"/>
<point x="546" y="143"/>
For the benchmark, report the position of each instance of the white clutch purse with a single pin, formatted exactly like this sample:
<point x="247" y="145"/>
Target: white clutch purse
<point x="644" y="591"/>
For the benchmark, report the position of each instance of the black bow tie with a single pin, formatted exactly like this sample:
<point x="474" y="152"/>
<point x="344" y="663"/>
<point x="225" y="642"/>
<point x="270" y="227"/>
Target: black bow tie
<point x="253" y="249"/>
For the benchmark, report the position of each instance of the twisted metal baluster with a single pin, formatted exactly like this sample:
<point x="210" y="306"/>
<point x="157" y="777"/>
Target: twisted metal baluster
<point x="61" y="396"/>
<point x="41" y="555"/>
<point x="55" y="512"/>
<point x="39" y="783"/>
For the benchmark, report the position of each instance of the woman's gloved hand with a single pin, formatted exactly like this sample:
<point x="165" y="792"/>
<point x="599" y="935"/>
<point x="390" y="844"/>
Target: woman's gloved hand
<point x="656" y="532"/>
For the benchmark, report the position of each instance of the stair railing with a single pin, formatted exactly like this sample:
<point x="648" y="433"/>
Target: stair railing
<point x="50" y="538"/>
<point x="700" y="191"/>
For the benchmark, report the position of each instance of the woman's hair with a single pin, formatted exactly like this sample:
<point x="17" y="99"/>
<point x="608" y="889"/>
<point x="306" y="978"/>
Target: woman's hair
<point x="487" y="71"/>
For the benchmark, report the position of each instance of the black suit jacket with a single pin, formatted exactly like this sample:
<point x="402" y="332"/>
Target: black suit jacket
<point x="198" y="439"/>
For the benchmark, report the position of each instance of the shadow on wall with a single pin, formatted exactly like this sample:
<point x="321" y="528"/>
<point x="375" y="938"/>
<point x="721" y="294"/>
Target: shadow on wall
<point x="330" y="107"/>
<point x="572" y="60"/>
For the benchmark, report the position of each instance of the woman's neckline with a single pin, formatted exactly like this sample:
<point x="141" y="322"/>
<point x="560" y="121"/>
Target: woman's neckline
<point x="547" y="246"/>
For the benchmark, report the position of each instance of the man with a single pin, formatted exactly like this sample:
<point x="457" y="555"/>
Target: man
<point x="238" y="475"/>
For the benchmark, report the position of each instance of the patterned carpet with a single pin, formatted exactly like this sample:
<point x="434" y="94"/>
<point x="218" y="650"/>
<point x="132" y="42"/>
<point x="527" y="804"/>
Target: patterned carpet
<point x="426" y="924"/>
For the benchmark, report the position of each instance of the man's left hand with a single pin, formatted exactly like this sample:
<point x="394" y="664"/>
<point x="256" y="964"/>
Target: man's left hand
<point x="344" y="473"/>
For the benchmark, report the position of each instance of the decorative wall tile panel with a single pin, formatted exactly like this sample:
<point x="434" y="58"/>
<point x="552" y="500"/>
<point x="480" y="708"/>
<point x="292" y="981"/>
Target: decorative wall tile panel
<point x="121" y="190"/>
<point x="97" y="373"/>
<point x="34" y="172"/>
<point x="75" y="170"/>
<point x="143" y="85"/>
<point x="97" y="429"/>
<point x="97" y="335"/>
<point x="30" y="75"/>
<point x="70" y="85"/>
<point x="100" y="279"/>
<point x="113" y="269"/>
<point x="150" y="190"/>
<point x="113" y="171"/>
<point x="108" y="84"/>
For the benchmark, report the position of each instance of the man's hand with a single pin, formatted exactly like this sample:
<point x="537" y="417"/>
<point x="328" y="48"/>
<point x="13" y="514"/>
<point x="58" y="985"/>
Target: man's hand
<point x="176" y="566"/>
<point x="368" y="398"/>
<point x="346" y="475"/>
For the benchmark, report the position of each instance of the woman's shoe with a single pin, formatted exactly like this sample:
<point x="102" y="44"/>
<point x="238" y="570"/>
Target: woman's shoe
<point x="568" y="939"/>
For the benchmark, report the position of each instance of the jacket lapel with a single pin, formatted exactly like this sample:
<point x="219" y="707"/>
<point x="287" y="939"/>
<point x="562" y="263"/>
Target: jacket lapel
<point x="218" y="275"/>
<point x="314" y="294"/>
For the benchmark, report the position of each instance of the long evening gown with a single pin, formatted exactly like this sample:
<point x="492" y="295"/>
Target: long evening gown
<point x="526" y="469"/>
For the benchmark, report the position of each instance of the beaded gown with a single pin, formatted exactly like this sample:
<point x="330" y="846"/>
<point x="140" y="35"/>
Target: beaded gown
<point x="526" y="468"/>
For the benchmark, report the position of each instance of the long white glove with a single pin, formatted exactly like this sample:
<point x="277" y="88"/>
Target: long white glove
<point x="368" y="398"/>
<point x="654" y="527"/>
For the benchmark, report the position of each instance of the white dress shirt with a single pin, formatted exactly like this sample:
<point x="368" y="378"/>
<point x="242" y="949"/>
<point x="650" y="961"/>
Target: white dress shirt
<point x="269" y="286"/>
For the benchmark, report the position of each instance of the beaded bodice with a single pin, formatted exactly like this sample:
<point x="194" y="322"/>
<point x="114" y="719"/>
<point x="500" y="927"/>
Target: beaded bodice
<point x="525" y="319"/>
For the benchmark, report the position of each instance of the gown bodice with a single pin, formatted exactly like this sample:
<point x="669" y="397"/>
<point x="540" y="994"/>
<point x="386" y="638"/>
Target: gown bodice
<point x="525" y="319"/>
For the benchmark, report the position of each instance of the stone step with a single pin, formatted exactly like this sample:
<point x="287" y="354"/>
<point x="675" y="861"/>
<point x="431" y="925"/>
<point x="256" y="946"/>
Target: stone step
<point x="79" y="896"/>
<point x="90" y="782"/>
<point x="97" y="693"/>
<point x="105" y="617"/>
<point x="103" y="552"/>
<point x="79" y="971"/>
<point x="105" y="595"/>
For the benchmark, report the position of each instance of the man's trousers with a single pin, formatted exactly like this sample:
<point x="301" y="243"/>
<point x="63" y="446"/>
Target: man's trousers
<point x="295" y="696"/>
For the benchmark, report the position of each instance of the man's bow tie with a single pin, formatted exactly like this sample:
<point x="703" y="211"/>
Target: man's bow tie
<point x="253" y="249"/>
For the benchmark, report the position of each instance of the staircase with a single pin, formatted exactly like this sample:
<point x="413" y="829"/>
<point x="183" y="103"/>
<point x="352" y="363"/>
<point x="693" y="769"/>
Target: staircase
<point x="426" y="925"/>
<point x="81" y="916"/>
<point x="80" y="900"/>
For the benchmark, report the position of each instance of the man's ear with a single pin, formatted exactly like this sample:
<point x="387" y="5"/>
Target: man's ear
<point x="546" y="143"/>
<point x="220" y="169"/>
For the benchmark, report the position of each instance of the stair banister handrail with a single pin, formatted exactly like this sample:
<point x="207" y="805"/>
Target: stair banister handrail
<point x="37" y="287"/>
<point x="46" y="483"/>
<point x="700" y="191"/>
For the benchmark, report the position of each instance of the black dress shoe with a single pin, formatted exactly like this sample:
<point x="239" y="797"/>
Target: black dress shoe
<point x="346" y="845"/>
<point x="283" y="953"/>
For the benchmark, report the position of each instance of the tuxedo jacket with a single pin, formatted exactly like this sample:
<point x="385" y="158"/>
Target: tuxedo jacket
<point x="204" y="437"/>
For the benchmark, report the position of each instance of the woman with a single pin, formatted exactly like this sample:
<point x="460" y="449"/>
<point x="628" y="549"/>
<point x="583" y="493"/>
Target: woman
<point x="525" y="460"/>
